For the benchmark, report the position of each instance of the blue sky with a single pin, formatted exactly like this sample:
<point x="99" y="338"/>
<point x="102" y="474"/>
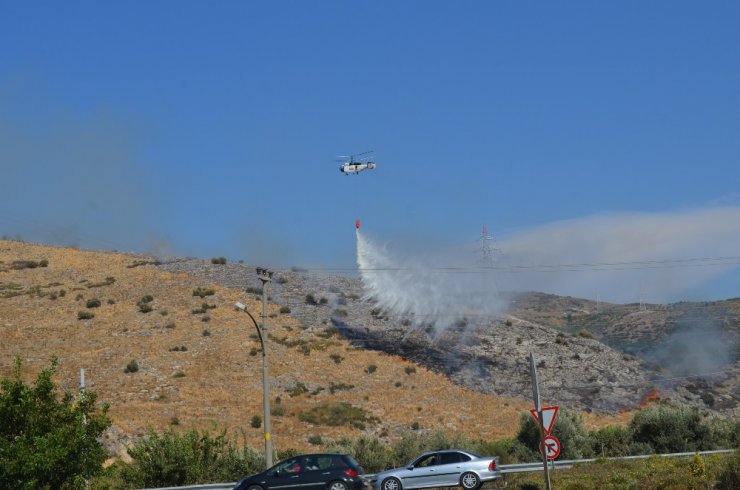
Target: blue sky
<point x="210" y="128"/>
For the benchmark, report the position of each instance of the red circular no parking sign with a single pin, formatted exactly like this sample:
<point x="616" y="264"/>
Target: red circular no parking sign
<point x="552" y="447"/>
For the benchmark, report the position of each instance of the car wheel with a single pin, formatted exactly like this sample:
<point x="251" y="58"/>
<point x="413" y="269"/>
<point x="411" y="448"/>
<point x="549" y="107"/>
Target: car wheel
<point x="391" y="484"/>
<point x="470" y="481"/>
<point x="254" y="487"/>
<point x="338" y="485"/>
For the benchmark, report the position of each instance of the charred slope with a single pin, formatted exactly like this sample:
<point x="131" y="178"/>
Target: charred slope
<point x="584" y="359"/>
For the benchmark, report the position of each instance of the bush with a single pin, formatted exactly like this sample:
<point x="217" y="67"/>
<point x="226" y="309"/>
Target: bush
<point x="256" y="421"/>
<point x="369" y="451"/>
<point x="611" y="441"/>
<point x="218" y="260"/>
<point x="730" y="474"/>
<point x="42" y="443"/>
<point x="409" y="369"/>
<point x="132" y="366"/>
<point x="297" y="389"/>
<point x="85" y="315"/>
<point x="335" y="414"/>
<point x="206" y="333"/>
<point x="371" y="368"/>
<point x="315" y="440"/>
<point x="203" y="292"/>
<point x="310" y="299"/>
<point x="93" y="303"/>
<point x="145" y="307"/>
<point x="147" y="299"/>
<point x="670" y="429"/>
<point x="568" y="428"/>
<point x="336" y="358"/>
<point x="284" y="309"/>
<point x="172" y="459"/>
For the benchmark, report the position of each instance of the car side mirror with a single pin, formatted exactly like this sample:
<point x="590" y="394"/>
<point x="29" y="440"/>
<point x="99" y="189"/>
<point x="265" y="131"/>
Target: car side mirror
<point x="277" y="472"/>
<point x="410" y="467"/>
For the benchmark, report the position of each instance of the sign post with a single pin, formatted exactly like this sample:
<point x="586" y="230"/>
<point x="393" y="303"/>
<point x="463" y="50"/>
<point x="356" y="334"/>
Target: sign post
<point x="538" y="411"/>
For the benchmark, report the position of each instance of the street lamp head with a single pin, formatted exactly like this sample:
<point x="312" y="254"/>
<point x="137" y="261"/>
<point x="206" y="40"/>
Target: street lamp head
<point x="240" y="306"/>
<point x="264" y="275"/>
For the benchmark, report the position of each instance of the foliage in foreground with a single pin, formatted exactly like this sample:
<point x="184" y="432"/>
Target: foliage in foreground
<point x="46" y="441"/>
<point x="171" y="459"/>
<point x="651" y="473"/>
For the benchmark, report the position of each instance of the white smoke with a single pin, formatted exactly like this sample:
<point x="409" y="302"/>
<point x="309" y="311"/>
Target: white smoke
<point x="621" y="258"/>
<point x="416" y="289"/>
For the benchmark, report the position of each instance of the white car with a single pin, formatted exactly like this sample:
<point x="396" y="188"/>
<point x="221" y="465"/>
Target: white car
<point x="447" y="468"/>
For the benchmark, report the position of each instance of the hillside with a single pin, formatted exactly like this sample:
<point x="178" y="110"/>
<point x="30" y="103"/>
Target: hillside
<point x="199" y="368"/>
<point x="593" y="357"/>
<point x="202" y="366"/>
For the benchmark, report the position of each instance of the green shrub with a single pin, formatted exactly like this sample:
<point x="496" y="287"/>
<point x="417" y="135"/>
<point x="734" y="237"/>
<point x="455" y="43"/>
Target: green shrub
<point x="132" y="366"/>
<point x="85" y="315"/>
<point x="173" y="459"/>
<point x="409" y="369"/>
<point x="147" y="299"/>
<point x="335" y="414"/>
<point x="568" y="428"/>
<point x="254" y="290"/>
<point x="611" y="441"/>
<point x="310" y="299"/>
<point x="669" y="429"/>
<point x="323" y="301"/>
<point x="93" y="303"/>
<point x="253" y="351"/>
<point x="729" y="476"/>
<point x="170" y="325"/>
<point x="284" y="310"/>
<point x="206" y="333"/>
<point x="145" y="307"/>
<point x="371" y="368"/>
<point x="218" y="260"/>
<point x="256" y="421"/>
<point x="179" y="374"/>
<point x="277" y="410"/>
<point x="297" y="389"/>
<point x="369" y="451"/>
<point x="203" y="292"/>
<point x="336" y="358"/>
<point x="315" y="440"/>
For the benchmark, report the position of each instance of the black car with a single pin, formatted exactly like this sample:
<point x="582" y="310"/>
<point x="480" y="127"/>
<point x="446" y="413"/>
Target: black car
<point x="309" y="472"/>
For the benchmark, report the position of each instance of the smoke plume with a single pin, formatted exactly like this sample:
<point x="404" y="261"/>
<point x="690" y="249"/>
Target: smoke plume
<point x="619" y="258"/>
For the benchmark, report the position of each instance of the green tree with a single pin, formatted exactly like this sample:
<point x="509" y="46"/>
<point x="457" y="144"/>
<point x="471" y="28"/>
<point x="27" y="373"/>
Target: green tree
<point x="47" y="441"/>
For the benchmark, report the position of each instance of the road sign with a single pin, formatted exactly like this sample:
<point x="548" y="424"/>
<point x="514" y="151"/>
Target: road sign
<point x="552" y="447"/>
<point x="549" y="414"/>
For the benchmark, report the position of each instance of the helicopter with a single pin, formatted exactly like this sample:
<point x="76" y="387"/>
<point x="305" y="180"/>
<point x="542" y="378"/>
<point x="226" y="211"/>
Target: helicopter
<point x="351" y="165"/>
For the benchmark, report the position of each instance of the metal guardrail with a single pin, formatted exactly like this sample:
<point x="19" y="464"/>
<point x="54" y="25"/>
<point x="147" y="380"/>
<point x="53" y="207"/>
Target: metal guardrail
<point x="504" y="468"/>
<point x="524" y="467"/>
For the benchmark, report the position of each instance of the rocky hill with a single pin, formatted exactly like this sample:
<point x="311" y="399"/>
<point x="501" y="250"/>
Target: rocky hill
<point x="331" y="351"/>
<point x="591" y="356"/>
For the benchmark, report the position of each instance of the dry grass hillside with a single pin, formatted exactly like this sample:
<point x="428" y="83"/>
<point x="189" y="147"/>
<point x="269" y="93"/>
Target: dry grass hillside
<point x="200" y="368"/>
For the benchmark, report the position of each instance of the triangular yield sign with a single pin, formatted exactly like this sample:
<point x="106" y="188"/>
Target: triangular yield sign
<point x="548" y="417"/>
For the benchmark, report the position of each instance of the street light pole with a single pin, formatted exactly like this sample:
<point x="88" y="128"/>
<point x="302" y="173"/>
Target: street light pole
<point x="265" y="276"/>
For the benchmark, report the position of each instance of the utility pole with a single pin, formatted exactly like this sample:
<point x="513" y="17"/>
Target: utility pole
<point x="82" y="392"/>
<point x="538" y="409"/>
<point x="265" y="276"/>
